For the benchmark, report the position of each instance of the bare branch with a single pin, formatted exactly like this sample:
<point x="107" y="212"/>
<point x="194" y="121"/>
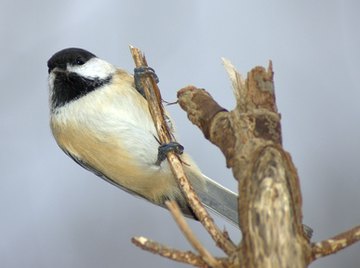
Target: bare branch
<point x="170" y="253"/>
<point x="213" y="120"/>
<point x="336" y="243"/>
<point x="190" y="236"/>
<point x="153" y="97"/>
<point x="270" y="203"/>
<point x="269" y="194"/>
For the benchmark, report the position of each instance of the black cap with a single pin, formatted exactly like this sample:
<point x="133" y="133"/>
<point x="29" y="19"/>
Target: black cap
<point x="72" y="56"/>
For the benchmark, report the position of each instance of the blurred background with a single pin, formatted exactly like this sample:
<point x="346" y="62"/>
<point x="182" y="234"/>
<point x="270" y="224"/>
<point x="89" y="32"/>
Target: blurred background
<point x="53" y="213"/>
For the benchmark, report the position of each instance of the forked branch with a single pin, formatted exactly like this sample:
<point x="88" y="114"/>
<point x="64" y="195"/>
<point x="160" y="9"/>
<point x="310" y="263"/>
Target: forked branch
<point x="270" y="204"/>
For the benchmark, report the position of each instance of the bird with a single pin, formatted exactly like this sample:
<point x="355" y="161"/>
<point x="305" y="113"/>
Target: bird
<point x="100" y="118"/>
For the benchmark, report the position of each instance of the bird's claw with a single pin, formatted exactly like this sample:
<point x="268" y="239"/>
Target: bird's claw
<point x="168" y="147"/>
<point x="141" y="71"/>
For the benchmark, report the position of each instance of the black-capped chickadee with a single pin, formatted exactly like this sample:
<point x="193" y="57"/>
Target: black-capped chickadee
<point x="100" y="120"/>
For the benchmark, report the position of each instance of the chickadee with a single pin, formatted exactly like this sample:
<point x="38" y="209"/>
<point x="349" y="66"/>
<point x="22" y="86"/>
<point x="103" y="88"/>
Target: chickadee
<point x="102" y="121"/>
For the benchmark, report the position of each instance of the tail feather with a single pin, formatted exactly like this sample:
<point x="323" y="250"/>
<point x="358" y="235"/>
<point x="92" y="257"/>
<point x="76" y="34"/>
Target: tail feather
<point x="220" y="200"/>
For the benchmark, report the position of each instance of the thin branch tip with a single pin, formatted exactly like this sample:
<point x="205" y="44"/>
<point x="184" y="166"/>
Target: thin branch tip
<point x="270" y="67"/>
<point x="190" y="236"/>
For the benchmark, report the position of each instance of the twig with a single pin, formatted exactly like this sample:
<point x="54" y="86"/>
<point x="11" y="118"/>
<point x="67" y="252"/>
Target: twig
<point x="190" y="236"/>
<point x="336" y="243"/>
<point x="170" y="253"/>
<point x="153" y="97"/>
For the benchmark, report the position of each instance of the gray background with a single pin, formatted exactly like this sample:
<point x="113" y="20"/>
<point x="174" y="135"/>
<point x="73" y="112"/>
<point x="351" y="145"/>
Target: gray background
<point x="55" y="214"/>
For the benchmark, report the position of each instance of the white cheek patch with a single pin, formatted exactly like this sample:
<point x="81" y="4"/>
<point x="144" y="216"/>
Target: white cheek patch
<point x="93" y="68"/>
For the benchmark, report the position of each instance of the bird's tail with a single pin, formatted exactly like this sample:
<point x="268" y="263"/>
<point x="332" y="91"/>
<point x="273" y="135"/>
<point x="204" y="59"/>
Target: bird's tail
<point x="220" y="200"/>
<point x="224" y="202"/>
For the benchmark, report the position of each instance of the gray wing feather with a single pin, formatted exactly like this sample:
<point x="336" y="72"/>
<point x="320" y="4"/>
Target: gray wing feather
<point x="214" y="196"/>
<point x="184" y="207"/>
<point x="220" y="200"/>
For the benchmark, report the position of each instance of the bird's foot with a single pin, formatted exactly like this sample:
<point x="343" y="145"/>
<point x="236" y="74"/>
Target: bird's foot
<point x="141" y="71"/>
<point x="168" y="147"/>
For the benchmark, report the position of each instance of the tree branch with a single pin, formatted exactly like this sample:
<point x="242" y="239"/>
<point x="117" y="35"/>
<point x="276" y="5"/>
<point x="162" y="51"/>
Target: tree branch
<point x="336" y="243"/>
<point x="170" y="253"/>
<point x="270" y="204"/>
<point x="269" y="193"/>
<point x="153" y="97"/>
<point x="190" y="236"/>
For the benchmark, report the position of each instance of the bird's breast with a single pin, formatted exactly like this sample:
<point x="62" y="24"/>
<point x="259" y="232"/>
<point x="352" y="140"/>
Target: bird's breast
<point x="111" y="130"/>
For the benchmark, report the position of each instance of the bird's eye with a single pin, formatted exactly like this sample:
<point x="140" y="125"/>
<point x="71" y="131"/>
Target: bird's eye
<point x="79" y="61"/>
